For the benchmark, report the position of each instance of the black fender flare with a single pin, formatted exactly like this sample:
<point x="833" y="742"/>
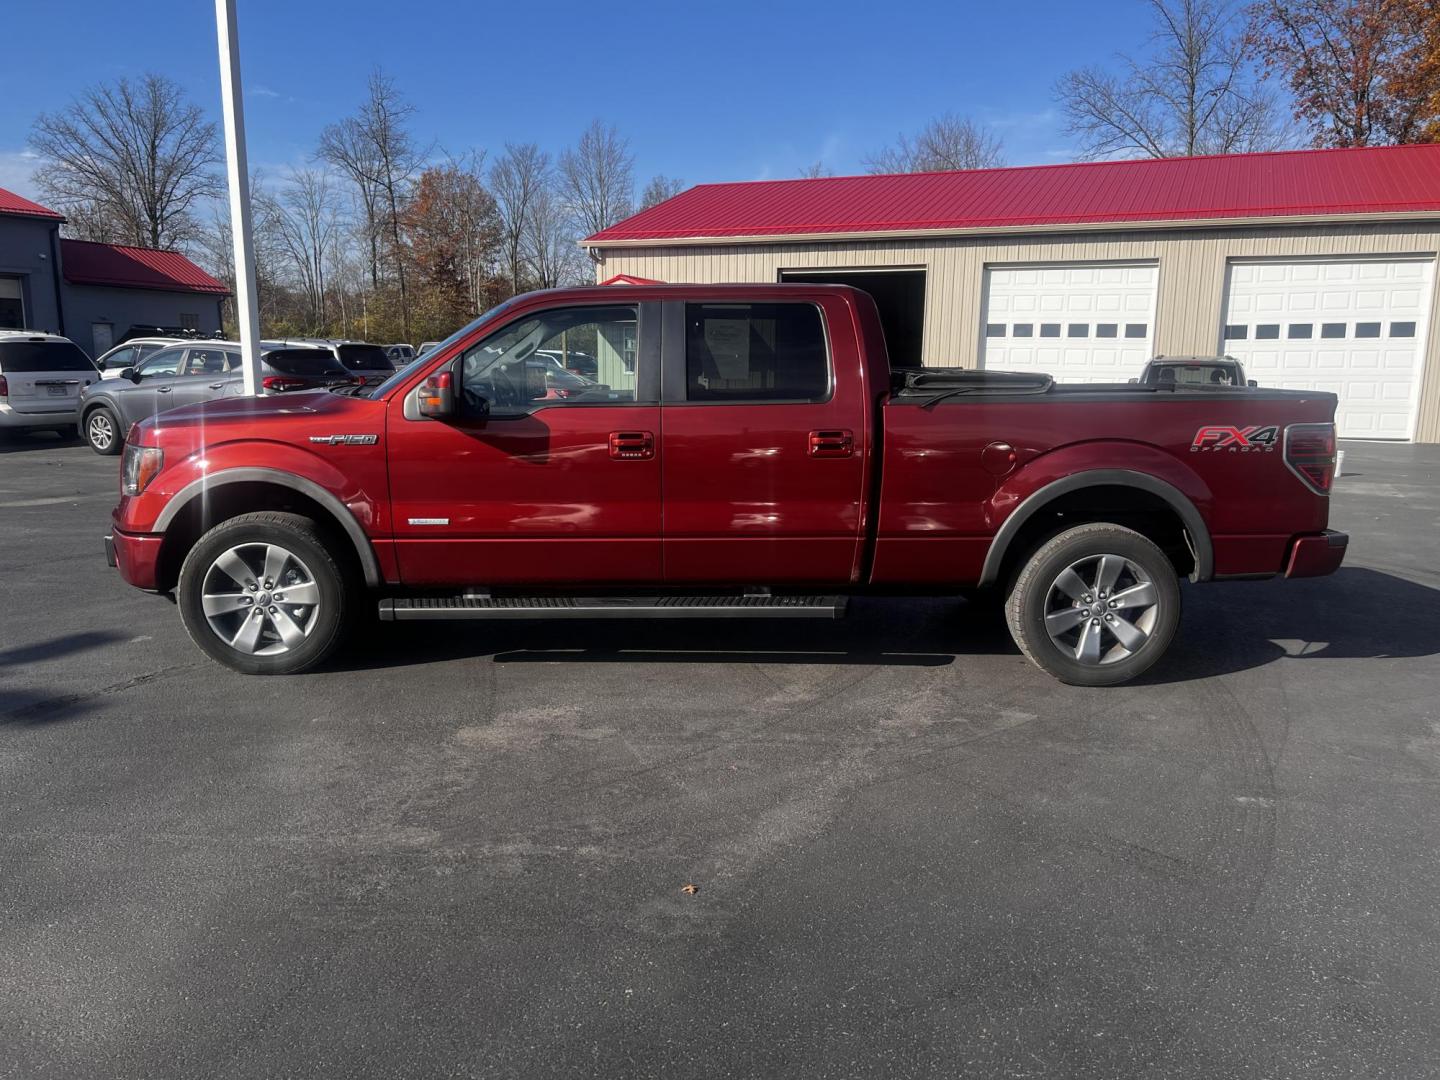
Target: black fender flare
<point x="1195" y="527"/>
<point x="196" y="489"/>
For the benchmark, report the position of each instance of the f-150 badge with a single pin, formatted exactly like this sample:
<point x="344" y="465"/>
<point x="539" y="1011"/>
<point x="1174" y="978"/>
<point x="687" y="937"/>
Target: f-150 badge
<point x="345" y="440"/>
<point x="1255" y="439"/>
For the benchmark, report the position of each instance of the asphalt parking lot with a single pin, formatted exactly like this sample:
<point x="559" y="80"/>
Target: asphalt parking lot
<point x="462" y="853"/>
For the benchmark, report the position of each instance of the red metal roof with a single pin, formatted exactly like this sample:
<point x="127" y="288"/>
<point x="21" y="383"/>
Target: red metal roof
<point x="10" y="203"/>
<point x="630" y="279"/>
<point x="135" y="268"/>
<point x="1298" y="183"/>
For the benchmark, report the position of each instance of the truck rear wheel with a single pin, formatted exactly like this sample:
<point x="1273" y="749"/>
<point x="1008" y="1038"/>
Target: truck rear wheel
<point x="262" y="594"/>
<point x="1095" y="606"/>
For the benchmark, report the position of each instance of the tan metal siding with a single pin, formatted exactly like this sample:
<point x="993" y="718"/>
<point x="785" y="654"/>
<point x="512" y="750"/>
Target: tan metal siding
<point x="1191" y="286"/>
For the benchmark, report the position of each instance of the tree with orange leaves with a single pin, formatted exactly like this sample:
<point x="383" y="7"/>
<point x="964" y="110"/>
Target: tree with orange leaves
<point x="1362" y="72"/>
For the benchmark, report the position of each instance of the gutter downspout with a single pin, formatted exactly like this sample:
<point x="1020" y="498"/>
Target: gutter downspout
<point x="55" y="273"/>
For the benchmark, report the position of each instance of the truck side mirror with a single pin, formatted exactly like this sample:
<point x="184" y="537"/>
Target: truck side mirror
<point x="436" y="398"/>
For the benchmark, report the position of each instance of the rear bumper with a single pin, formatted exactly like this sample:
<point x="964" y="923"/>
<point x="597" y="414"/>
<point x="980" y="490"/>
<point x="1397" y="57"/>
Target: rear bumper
<point x="1316" y="555"/>
<point x="10" y="418"/>
<point x="135" y="555"/>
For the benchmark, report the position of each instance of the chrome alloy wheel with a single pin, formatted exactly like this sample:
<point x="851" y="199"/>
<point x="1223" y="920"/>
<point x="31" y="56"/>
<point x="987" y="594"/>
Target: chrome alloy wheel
<point x="100" y="430"/>
<point x="260" y="599"/>
<point x="1101" y="609"/>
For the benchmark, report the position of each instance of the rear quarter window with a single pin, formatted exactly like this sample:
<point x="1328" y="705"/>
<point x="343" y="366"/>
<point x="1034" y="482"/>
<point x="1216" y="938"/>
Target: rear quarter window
<point x="23" y="357"/>
<point x="307" y="363"/>
<point x="365" y="358"/>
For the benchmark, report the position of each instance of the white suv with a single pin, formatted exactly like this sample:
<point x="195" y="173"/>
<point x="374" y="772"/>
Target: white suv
<point x="41" y="376"/>
<point x="129" y="353"/>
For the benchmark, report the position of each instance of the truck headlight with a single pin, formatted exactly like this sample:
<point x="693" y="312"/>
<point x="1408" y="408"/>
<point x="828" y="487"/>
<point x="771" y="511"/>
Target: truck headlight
<point x="141" y="465"/>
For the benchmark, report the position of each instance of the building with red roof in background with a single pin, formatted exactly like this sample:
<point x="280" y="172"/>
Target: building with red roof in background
<point x="1314" y="267"/>
<point x="95" y="294"/>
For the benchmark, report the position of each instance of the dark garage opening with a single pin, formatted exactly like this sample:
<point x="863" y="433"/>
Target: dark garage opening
<point x="900" y="296"/>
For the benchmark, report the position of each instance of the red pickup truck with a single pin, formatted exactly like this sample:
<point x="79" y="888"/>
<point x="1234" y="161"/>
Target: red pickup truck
<point x="733" y="450"/>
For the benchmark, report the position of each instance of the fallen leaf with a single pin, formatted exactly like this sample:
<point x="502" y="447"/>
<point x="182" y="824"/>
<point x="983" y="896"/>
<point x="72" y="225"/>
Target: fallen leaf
<point x="689" y="888"/>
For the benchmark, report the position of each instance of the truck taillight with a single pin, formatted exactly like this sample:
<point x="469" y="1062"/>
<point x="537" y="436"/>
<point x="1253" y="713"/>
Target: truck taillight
<point x="4" y="387"/>
<point x="279" y="384"/>
<point x="1310" y="455"/>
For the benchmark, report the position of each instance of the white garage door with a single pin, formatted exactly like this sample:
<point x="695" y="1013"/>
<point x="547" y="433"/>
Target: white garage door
<point x="1354" y="328"/>
<point x="1081" y="322"/>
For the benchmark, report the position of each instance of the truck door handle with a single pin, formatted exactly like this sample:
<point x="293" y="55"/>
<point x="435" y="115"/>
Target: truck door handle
<point x="837" y="443"/>
<point x="632" y="445"/>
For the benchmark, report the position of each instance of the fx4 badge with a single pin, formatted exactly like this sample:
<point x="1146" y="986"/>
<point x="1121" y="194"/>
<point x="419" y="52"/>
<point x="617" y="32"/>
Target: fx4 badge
<point x="345" y="440"/>
<point x="1255" y="439"/>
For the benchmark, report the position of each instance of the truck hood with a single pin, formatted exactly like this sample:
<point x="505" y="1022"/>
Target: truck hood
<point x="280" y="417"/>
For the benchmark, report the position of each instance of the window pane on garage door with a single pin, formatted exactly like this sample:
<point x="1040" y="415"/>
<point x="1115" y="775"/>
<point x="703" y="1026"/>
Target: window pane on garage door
<point x="1374" y="371"/>
<point x="1096" y="322"/>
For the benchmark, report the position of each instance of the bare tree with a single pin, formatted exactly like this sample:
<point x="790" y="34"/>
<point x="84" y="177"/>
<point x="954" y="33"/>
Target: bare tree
<point x="550" y="242"/>
<point x="516" y="180"/>
<point x="346" y="147"/>
<point x="948" y="142"/>
<point x="305" y="224"/>
<point x="660" y="188"/>
<point x="815" y="170"/>
<point x="375" y="148"/>
<point x="597" y="178"/>
<point x="1194" y="92"/>
<point x="130" y="162"/>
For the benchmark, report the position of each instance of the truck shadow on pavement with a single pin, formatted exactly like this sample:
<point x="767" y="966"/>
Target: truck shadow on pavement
<point x="1357" y="613"/>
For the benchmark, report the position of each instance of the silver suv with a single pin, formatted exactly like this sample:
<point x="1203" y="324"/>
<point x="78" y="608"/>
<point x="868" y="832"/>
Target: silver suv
<point x="192" y="372"/>
<point x="41" y="379"/>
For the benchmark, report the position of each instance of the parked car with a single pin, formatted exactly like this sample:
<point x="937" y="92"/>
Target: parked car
<point x="1194" y="371"/>
<point x="581" y="363"/>
<point x="400" y="353"/>
<point x="764" y="460"/>
<point x="192" y="372"/>
<point x="368" y="363"/>
<point x="41" y="379"/>
<point x="131" y="353"/>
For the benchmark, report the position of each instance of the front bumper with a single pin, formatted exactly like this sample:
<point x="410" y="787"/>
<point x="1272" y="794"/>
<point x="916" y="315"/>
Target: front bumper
<point x="1316" y="555"/>
<point x="136" y="556"/>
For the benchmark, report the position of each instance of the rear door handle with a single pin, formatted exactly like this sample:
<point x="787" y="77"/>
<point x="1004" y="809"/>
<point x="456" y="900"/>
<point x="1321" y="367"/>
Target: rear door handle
<point x="217" y="386"/>
<point x="833" y="443"/>
<point x="632" y="445"/>
<point x="164" y="389"/>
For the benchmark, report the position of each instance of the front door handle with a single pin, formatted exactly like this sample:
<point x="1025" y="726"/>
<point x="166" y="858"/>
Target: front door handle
<point x="834" y="443"/>
<point x="632" y="445"/>
<point x="164" y="389"/>
<point x="217" y="386"/>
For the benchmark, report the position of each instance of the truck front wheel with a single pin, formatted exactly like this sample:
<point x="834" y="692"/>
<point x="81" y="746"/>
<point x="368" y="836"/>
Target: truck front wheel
<point x="1095" y="606"/>
<point x="262" y="594"/>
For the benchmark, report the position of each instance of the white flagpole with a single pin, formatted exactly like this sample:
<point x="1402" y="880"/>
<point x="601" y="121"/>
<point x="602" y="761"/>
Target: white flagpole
<point x="247" y="310"/>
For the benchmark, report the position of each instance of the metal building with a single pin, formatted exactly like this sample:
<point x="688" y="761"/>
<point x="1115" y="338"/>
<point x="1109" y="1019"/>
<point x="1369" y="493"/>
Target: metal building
<point x="1317" y="268"/>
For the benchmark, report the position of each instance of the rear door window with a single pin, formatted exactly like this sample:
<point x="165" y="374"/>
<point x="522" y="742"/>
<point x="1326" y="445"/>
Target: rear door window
<point x="206" y="362"/>
<point x="25" y="357"/>
<point x="755" y="352"/>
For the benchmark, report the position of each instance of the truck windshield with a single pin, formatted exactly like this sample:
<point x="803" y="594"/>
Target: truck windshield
<point x="23" y="357"/>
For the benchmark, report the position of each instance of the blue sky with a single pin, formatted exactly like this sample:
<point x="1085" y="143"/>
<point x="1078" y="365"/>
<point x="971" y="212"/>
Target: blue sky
<point x="705" y="91"/>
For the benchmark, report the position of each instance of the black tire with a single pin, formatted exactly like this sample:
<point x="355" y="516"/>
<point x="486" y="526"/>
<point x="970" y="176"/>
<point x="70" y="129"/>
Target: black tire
<point x="323" y="624"/>
<point x="1038" y="592"/>
<point x="94" y="427"/>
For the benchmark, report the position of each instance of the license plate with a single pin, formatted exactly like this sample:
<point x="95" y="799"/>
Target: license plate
<point x="57" y="391"/>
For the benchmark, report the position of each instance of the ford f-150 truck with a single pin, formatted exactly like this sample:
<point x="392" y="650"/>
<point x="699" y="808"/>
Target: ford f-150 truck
<point x="742" y="450"/>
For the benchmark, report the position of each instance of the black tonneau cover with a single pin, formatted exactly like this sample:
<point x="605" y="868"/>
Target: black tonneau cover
<point x="928" y="386"/>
